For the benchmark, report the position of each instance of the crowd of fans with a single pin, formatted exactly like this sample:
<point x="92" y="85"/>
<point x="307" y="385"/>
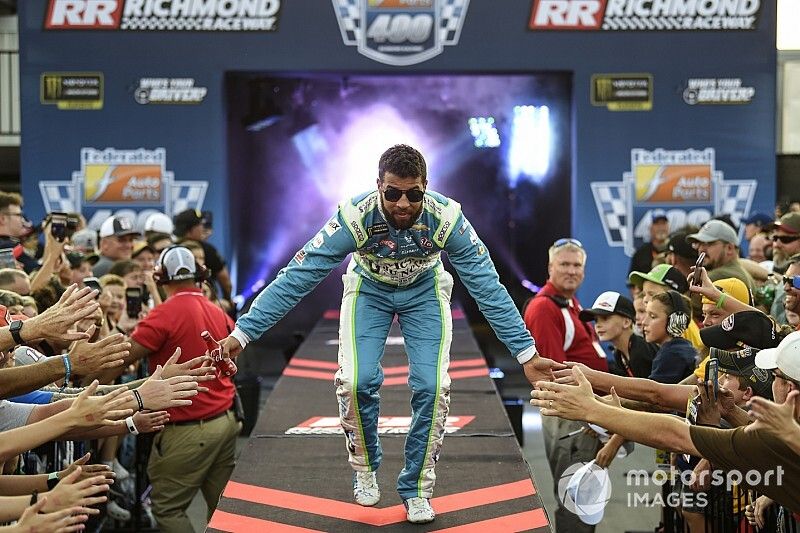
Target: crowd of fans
<point x="75" y="384"/>
<point x="705" y="334"/>
<point x="704" y="366"/>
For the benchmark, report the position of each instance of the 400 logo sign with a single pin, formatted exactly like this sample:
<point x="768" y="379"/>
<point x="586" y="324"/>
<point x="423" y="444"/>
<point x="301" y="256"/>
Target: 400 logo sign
<point x="131" y="182"/>
<point x="400" y="32"/>
<point x="685" y="185"/>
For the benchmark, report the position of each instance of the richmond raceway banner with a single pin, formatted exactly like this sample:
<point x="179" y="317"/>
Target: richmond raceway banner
<point x="159" y="15"/>
<point x="645" y="15"/>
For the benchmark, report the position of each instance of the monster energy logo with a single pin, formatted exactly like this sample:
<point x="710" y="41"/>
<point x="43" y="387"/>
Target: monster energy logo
<point x="623" y="92"/>
<point x="72" y="90"/>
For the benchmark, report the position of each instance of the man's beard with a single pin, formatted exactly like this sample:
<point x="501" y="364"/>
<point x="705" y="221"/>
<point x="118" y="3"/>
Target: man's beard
<point x="403" y="222"/>
<point x="780" y="258"/>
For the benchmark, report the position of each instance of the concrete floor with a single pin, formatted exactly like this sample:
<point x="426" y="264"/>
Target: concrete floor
<point x="620" y="514"/>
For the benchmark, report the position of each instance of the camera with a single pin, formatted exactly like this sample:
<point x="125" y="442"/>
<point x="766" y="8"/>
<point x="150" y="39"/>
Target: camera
<point x="93" y="283"/>
<point x="133" y="301"/>
<point x="63" y="225"/>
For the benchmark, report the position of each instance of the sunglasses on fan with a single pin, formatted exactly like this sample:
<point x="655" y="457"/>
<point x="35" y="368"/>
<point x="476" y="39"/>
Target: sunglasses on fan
<point x="393" y="195"/>
<point x="785" y="239"/>
<point x="792" y="281"/>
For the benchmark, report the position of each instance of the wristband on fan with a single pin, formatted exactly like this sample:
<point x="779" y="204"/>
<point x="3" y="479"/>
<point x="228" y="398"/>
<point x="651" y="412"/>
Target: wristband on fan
<point x="138" y="399"/>
<point x="721" y="300"/>
<point x="52" y="480"/>
<point x="131" y="426"/>
<point x="67" y="371"/>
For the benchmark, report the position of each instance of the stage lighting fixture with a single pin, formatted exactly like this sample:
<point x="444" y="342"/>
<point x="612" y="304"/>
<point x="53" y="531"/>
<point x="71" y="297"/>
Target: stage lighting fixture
<point x="484" y="132"/>
<point x="529" y="151"/>
<point x="531" y="286"/>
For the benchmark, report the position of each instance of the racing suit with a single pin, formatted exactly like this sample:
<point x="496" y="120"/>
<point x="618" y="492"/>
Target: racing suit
<point x="394" y="272"/>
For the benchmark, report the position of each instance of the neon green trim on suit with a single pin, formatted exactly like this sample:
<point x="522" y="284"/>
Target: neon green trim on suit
<point x="355" y="371"/>
<point x="443" y="336"/>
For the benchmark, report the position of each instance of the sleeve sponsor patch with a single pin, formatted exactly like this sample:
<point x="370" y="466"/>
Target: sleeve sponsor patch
<point x="319" y="238"/>
<point x="332" y="227"/>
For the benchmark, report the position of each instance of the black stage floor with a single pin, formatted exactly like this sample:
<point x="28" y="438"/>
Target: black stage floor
<point x="293" y="473"/>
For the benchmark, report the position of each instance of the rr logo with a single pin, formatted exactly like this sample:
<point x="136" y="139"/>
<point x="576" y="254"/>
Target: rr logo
<point x="567" y="14"/>
<point x="83" y="14"/>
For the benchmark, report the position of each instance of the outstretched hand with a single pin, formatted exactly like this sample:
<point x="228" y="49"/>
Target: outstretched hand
<point x="231" y="347"/>
<point x="55" y="324"/>
<point x="63" y="521"/>
<point x="88" y="470"/>
<point x="566" y="401"/>
<point x="89" y="411"/>
<point x="774" y="418"/>
<point x="159" y="393"/>
<point x="540" y="369"/>
<point x="199" y="368"/>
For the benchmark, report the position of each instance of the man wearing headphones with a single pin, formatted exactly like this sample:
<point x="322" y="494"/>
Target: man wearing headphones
<point x="195" y="451"/>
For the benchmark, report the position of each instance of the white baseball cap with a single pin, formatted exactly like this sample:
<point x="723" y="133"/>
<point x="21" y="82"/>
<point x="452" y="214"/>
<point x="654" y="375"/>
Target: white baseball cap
<point x="785" y="357"/>
<point x="589" y="488"/>
<point x="178" y="262"/>
<point x="160" y="223"/>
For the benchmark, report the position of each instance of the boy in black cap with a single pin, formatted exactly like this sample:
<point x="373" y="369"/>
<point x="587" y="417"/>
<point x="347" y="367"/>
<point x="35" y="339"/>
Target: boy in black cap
<point x="614" y="317"/>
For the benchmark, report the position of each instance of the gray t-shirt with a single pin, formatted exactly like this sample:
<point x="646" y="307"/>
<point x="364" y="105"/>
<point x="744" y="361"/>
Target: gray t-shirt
<point x="14" y="415"/>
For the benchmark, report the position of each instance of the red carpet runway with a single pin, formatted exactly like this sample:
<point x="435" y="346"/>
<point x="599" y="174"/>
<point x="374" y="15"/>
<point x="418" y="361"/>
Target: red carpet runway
<point x="293" y="473"/>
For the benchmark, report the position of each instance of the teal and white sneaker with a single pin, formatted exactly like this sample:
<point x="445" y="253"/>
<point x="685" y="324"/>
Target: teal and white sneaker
<point x="419" y="510"/>
<point x="365" y="488"/>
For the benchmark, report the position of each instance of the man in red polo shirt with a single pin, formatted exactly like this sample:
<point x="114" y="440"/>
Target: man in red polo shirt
<point x="195" y="451"/>
<point x="552" y="318"/>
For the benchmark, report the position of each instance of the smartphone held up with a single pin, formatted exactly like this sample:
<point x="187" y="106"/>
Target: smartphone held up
<point x="697" y="279"/>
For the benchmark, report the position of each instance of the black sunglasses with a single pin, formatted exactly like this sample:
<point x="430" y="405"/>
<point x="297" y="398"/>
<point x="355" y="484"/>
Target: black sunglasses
<point x="563" y="242"/>
<point x="393" y="195"/>
<point x="793" y="281"/>
<point x="785" y="239"/>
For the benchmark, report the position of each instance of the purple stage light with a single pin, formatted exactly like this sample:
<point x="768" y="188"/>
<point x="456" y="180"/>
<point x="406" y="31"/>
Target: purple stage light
<point x="531" y="286"/>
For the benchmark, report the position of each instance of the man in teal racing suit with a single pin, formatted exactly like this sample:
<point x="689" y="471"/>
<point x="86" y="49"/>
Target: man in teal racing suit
<point x="396" y="234"/>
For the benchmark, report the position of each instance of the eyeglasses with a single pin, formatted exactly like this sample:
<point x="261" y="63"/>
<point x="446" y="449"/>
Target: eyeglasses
<point x="393" y="195"/>
<point x="20" y="214"/>
<point x="793" y="281"/>
<point x="785" y="239"/>
<point x="563" y="242"/>
<point x="777" y="374"/>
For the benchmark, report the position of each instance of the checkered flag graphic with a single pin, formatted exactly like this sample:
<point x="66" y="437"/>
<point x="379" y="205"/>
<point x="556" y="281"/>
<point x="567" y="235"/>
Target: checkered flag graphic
<point x="735" y="197"/>
<point x="451" y="19"/>
<point x="349" y="15"/>
<point x="58" y="196"/>
<point x="610" y="197"/>
<point x="188" y="195"/>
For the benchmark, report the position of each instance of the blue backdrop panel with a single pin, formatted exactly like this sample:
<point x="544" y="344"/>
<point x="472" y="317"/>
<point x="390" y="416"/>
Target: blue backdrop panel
<point x="690" y="154"/>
